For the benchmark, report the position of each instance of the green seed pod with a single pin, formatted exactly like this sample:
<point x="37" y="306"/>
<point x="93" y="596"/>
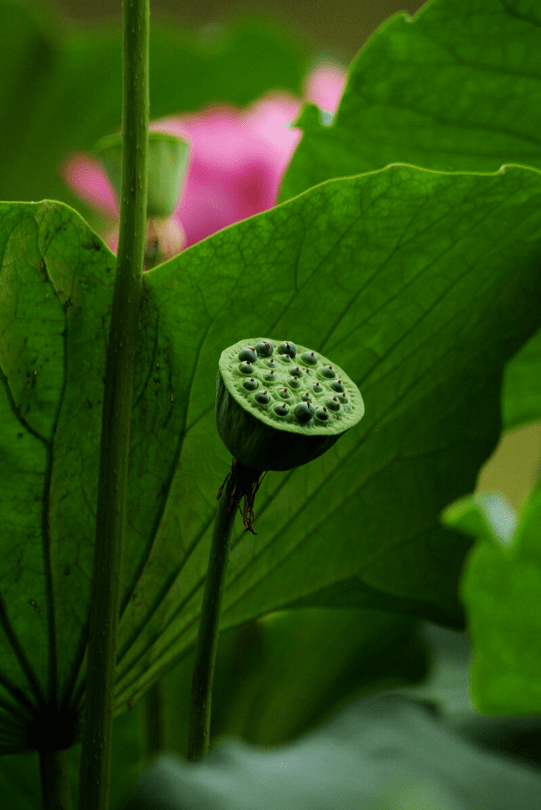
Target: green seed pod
<point x="287" y="347"/>
<point x="248" y="353"/>
<point x="264" y="348"/>
<point x="332" y="403"/>
<point x="337" y="385"/>
<point x="265" y="432"/>
<point x="304" y="411"/>
<point x="309" y="358"/>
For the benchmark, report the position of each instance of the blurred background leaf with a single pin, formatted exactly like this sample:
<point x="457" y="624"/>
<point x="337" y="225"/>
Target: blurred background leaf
<point x="60" y="88"/>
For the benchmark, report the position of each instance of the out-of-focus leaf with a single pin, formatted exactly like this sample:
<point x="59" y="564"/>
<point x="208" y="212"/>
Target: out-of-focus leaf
<point x="501" y="590"/>
<point x="383" y="753"/>
<point x="281" y="675"/>
<point x="384" y="274"/>
<point x="61" y="89"/>
<point x="457" y="87"/>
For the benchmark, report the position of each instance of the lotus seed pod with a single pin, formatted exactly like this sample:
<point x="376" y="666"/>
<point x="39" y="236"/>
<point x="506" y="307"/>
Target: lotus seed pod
<point x="264" y="348"/>
<point x="248" y="353"/>
<point x="287" y="347"/>
<point x="263" y="430"/>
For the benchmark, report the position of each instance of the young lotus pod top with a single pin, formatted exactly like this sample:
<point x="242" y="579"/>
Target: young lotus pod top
<point x="257" y="425"/>
<point x="167" y="165"/>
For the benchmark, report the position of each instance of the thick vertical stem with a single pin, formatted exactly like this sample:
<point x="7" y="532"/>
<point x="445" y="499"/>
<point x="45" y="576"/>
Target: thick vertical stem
<point x="209" y="626"/>
<point x="117" y="403"/>
<point x="55" y="785"/>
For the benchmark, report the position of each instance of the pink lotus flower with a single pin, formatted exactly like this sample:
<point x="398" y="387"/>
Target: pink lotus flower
<point x="236" y="163"/>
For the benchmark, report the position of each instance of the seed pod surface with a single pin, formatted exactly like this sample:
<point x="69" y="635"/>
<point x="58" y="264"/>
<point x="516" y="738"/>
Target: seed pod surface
<point x="264" y="433"/>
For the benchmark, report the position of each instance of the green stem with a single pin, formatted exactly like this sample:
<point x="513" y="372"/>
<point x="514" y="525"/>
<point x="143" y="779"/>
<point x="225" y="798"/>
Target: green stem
<point x="117" y="404"/>
<point x="55" y="784"/>
<point x="209" y="626"/>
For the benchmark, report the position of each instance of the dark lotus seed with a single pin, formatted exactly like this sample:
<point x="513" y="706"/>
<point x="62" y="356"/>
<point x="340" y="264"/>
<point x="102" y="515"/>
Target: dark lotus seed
<point x="250" y="384"/>
<point x="310" y="358"/>
<point x="328" y="371"/>
<point x="249" y="354"/>
<point x="304" y="411"/>
<point x="263" y="397"/>
<point x="285" y="393"/>
<point x="322" y="413"/>
<point x="270" y="363"/>
<point x="271" y="377"/>
<point x="282" y="409"/>
<point x="246" y="368"/>
<point x="287" y="348"/>
<point x="317" y="388"/>
<point x="305" y="397"/>
<point x="285" y="358"/>
<point x="332" y="403"/>
<point x="337" y="385"/>
<point x="342" y="398"/>
<point x="296" y="372"/>
<point x="264" y="349"/>
<point x="295" y="383"/>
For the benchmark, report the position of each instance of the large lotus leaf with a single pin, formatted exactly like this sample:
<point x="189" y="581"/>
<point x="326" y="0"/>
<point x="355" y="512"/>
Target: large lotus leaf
<point x="456" y="87"/>
<point x="501" y="589"/>
<point x="383" y="273"/>
<point x="382" y="753"/>
<point x="61" y="85"/>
